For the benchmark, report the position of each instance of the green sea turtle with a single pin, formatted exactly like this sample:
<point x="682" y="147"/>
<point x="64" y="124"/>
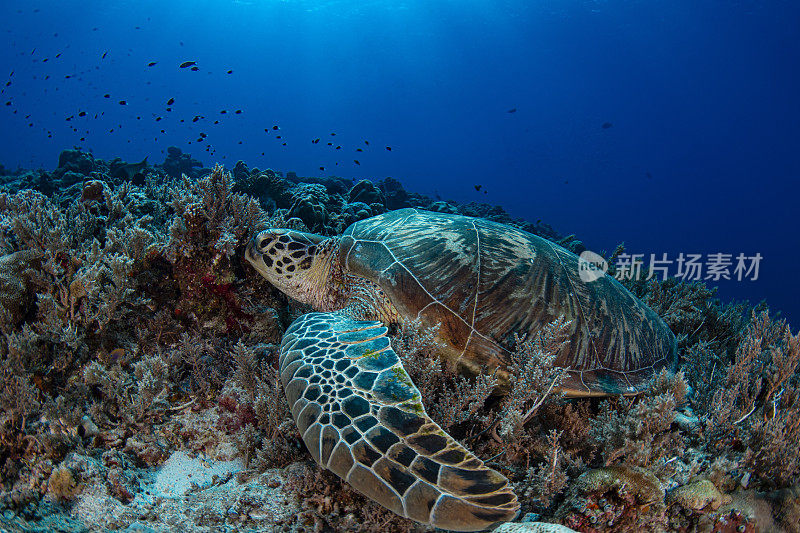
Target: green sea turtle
<point x="358" y="411"/>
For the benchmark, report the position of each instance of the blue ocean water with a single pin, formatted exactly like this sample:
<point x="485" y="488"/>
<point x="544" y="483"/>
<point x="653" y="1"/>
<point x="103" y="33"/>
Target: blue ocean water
<point x="669" y="125"/>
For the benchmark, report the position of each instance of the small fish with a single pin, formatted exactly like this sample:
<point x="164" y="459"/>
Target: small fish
<point x="512" y="110"/>
<point x="216" y="122"/>
<point x="170" y="101"/>
<point x="104" y="55"/>
<point x="366" y="142"/>
<point x="123" y="102"/>
<point x="194" y="69"/>
<point x="283" y="144"/>
<point x="8" y="84"/>
<point x="230" y="72"/>
<point x="8" y="103"/>
<point x="82" y="114"/>
<point x="238" y="111"/>
<point x="330" y="144"/>
<point x="196" y="118"/>
<point x="315" y="141"/>
<point x="152" y="63"/>
<point x="158" y="119"/>
<point x="478" y="187"/>
<point x="338" y="147"/>
<point x="223" y="112"/>
<point x="333" y="134"/>
<point x="106" y="95"/>
<point x="169" y="109"/>
<point x="359" y="150"/>
<point x="322" y="168"/>
<point x="274" y="127"/>
<point x="648" y="175"/>
<point x="277" y="136"/>
<point x="356" y="161"/>
<point x="606" y="125"/>
<point x="58" y="54"/>
<point x="389" y="148"/>
<point x="187" y="64"/>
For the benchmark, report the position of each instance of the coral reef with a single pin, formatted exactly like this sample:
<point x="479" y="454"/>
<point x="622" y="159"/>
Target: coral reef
<point x="136" y="342"/>
<point x="178" y="164"/>
<point x="639" y="431"/>
<point x="620" y="497"/>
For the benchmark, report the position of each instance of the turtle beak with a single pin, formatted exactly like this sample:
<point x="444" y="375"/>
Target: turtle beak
<point x="251" y="253"/>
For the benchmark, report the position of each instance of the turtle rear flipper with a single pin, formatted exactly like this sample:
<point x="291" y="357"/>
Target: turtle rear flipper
<point x="361" y="417"/>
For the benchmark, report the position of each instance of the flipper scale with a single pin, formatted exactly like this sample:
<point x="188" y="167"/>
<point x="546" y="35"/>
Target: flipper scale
<point x="362" y="418"/>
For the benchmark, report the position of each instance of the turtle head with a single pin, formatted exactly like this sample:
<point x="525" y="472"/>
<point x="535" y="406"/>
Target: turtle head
<point x="299" y="264"/>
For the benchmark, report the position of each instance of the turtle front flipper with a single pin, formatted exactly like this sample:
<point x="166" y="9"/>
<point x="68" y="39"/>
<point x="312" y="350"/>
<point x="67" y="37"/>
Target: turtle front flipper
<point x="361" y="417"/>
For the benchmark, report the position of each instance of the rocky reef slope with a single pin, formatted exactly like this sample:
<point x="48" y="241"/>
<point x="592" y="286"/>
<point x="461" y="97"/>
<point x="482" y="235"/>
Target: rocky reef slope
<point x="139" y="390"/>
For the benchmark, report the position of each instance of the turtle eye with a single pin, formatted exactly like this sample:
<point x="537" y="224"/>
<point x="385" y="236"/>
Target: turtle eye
<point x="263" y="242"/>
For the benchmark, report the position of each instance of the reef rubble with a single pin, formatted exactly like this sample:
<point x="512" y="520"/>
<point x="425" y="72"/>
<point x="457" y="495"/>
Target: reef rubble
<point x="139" y="387"/>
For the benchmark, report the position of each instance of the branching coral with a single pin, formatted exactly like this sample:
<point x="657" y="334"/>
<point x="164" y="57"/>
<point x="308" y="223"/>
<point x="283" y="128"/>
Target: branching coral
<point x="533" y="377"/>
<point x="206" y="241"/>
<point x="692" y="311"/>
<point x="208" y="212"/>
<point x="754" y="403"/>
<point x="15" y="296"/>
<point x="639" y="429"/>
<point x="450" y="398"/>
<point x="258" y="414"/>
<point x="548" y="479"/>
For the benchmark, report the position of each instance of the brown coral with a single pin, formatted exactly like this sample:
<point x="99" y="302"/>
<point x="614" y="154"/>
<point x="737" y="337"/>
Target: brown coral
<point x="615" y="498"/>
<point x="639" y="429"/>
<point x="16" y="299"/>
<point x="697" y="496"/>
<point x="62" y="484"/>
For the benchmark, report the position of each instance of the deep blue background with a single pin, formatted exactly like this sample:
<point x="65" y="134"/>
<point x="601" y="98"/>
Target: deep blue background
<point x="702" y="95"/>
